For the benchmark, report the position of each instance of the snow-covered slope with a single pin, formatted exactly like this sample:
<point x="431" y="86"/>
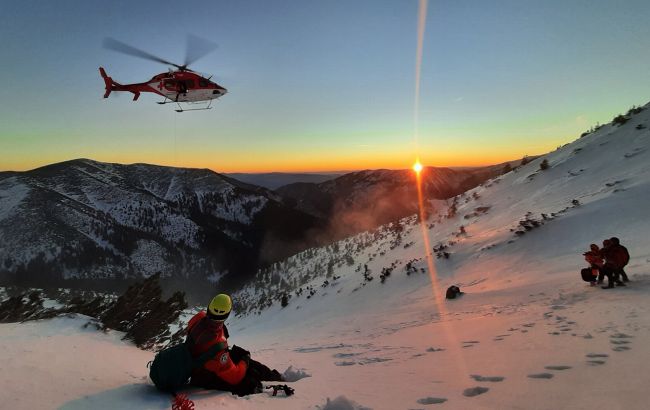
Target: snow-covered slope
<point x="527" y="334"/>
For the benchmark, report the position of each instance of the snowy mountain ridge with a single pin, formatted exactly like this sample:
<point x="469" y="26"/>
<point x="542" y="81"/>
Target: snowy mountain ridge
<point x="363" y="200"/>
<point x="84" y="218"/>
<point x="93" y="220"/>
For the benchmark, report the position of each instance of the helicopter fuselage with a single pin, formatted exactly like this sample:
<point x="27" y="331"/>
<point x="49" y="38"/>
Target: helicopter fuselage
<point x="177" y="86"/>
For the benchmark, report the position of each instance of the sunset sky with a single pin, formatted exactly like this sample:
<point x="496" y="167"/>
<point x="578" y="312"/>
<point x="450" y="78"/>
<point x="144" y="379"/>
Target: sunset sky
<point x="319" y="85"/>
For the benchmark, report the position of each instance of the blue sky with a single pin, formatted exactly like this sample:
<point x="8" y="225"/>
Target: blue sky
<point x="319" y="85"/>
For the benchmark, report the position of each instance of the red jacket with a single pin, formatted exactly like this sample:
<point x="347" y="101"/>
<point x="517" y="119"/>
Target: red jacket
<point x="205" y="333"/>
<point x="595" y="259"/>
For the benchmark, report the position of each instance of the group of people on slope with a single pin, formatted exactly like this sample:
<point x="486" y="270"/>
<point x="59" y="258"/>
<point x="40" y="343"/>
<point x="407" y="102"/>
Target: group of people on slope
<point x="608" y="261"/>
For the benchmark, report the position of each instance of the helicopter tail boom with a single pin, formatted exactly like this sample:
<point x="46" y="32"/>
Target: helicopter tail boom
<point x="114" y="86"/>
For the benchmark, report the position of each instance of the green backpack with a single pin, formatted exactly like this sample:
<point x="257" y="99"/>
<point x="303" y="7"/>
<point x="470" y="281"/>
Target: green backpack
<point x="172" y="367"/>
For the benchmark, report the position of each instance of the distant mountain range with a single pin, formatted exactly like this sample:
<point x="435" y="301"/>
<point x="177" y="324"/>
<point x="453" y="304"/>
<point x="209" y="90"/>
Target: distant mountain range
<point x="274" y="180"/>
<point x="84" y="220"/>
<point x="87" y="219"/>
<point x="363" y="200"/>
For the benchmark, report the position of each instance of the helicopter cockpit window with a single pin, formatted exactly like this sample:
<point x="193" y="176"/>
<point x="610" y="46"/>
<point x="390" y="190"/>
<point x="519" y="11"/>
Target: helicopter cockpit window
<point x="189" y="83"/>
<point x="203" y="82"/>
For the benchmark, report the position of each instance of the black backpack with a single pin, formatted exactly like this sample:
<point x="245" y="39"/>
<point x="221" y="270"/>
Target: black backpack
<point x="172" y="367"/>
<point x="452" y="292"/>
<point x="588" y="275"/>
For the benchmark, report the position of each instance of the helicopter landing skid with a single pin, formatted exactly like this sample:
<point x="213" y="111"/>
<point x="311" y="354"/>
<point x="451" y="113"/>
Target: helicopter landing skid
<point x="193" y="109"/>
<point x="180" y="108"/>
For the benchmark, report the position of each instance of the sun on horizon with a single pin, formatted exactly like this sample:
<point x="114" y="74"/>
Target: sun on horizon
<point x="417" y="167"/>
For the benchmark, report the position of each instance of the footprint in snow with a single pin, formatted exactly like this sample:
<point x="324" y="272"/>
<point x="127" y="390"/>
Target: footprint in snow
<point x="319" y="348"/>
<point x="619" y="342"/>
<point x="620" y="336"/>
<point x="434" y="349"/>
<point x="541" y="376"/>
<point x="620" y="348"/>
<point x="595" y="355"/>
<point x="494" y="379"/>
<point x="345" y="363"/>
<point x="432" y="400"/>
<point x="307" y="349"/>
<point x="474" y="391"/>
<point x="344" y="355"/>
<point x="634" y="152"/>
<point x="595" y="362"/>
<point x="370" y="360"/>
<point x="557" y="367"/>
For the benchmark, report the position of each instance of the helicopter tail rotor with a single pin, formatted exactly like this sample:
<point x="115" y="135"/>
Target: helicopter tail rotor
<point x="108" y="82"/>
<point x="115" y="86"/>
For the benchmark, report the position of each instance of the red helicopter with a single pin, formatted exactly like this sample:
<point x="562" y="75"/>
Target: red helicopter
<point x="176" y="86"/>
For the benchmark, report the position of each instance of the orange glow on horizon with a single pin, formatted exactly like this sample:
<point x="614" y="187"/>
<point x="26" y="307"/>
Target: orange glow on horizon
<point x="261" y="162"/>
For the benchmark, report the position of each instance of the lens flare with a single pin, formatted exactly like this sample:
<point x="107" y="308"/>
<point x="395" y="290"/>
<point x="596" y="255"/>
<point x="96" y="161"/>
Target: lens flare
<point x="448" y="333"/>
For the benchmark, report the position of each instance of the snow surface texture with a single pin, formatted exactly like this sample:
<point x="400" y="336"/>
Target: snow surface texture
<point x="13" y="194"/>
<point x="527" y="334"/>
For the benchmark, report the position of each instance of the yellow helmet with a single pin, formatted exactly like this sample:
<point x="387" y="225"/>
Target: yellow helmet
<point x="220" y="307"/>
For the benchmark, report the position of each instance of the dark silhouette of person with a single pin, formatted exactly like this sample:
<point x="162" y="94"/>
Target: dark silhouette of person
<point x="622" y="258"/>
<point x="611" y="266"/>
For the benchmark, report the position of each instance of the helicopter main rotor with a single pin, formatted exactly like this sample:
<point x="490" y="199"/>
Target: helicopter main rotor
<point x="196" y="48"/>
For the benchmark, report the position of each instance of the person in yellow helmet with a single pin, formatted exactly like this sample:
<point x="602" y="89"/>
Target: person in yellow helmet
<point x="231" y="369"/>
